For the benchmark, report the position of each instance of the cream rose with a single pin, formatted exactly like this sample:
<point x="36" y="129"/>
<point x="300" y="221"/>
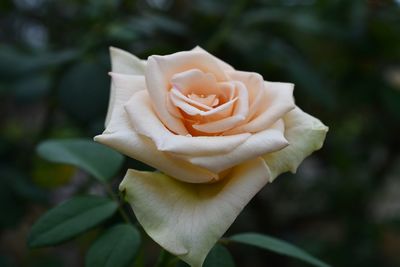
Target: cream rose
<point x="218" y="135"/>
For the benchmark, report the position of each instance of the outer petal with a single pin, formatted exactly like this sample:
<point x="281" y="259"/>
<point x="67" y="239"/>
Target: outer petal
<point x="123" y="87"/>
<point x="146" y="122"/>
<point x="124" y="63"/>
<point x="188" y="219"/>
<point x="305" y="135"/>
<point x="142" y="148"/>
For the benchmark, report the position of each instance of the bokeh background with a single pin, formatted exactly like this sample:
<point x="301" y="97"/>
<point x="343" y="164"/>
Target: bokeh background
<point x="343" y="205"/>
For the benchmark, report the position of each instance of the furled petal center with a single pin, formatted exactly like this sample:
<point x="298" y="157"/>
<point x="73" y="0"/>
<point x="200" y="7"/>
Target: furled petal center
<point x="210" y="100"/>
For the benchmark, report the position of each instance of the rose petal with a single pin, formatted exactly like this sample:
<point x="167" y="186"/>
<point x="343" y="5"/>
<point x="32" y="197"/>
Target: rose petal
<point x="278" y="101"/>
<point x="143" y="149"/>
<point x="305" y="135"/>
<point x="123" y="87"/>
<point x="125" y="63"/>
<point x="187" y="105"/>
<point x="159" y="72"/>
<point x="146" y="122"/>
<point x="254" y="83"/>
<point x="186" y="219"/>
<point x="195" y="81"/>
<point x="257" y="145"/>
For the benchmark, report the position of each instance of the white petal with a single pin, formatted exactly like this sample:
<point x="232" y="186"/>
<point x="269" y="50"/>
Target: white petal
<point x="278" y="101"/>
<point x="123" y="87"/>
<point x="146" y="122"/>
<point x="305" y="135"/>
<point x="159" y="72"/>
<point x="257" y="145"/>
<point x="185" y="219"/>
<point x="124" y="63"/>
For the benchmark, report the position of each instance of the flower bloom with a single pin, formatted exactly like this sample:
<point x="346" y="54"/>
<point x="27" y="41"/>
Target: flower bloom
<point x="217" y="135"/>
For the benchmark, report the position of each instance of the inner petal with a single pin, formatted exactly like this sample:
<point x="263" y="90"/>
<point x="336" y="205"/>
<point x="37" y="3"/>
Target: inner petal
<point x="210" y="100"/>
<point x="195" y="81"/>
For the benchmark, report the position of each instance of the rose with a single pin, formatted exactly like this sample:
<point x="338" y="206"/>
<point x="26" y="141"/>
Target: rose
<point x="218" y="135"/>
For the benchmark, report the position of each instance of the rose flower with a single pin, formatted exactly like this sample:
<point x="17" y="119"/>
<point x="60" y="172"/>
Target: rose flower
<point x="217" y="135"/>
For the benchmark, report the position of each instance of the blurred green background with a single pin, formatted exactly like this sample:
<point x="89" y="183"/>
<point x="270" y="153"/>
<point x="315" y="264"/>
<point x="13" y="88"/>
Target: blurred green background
<point x="342" y="206"/>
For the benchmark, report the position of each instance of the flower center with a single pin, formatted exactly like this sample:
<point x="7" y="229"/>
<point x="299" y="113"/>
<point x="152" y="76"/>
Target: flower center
<point x="209" y="100"/>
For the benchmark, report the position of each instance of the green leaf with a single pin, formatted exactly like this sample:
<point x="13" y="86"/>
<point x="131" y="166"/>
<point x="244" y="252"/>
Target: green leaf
<point x="219" y="256"/>
<point x="98" y="160"/>
<point x="70" y="219"/>
<point x="84" y="91"/>
<point x="115" y="248"/>
<point x="277" y="246"/>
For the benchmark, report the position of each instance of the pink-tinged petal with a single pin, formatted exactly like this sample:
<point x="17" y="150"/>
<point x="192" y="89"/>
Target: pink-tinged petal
<point x="305" y="134"/>
<point x="185" y="219"/>
<point x="258" y="144"/>
<point x="195" y="81"/>
<point x="254" y="83"/>
<point x="188" y="105"/>
<point x="278" y="101"/>
<point x="124" y="63"/>
<point x="219" y="126"/>
<point x="161" y="69"/>
<point x="145" y="122"/>
<point x="239" y="114"/>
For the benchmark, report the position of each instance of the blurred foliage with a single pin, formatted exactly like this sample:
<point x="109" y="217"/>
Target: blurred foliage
<point x="344" y="57"/>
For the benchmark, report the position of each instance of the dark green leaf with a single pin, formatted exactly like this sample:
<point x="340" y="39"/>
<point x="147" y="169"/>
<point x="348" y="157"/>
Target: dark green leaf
<point x="70" y="219"/>
<point x="115" y="248"/>
<point x="15" y="64"/>
<point x="84" y="91"/>
<point x="98" y="160"/>
<point x="219" y="256"/>
<point x="277" y="246"/>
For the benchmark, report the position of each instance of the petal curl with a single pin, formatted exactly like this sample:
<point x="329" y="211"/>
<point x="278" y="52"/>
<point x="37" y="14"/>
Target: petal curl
<point x="146" y="122"/>
<point x="256" y="145"/>
<point x="305" y="135"/>
<point x="185" y="219"/>
<point x="278" y="101"/>
<point x="124" y="63"/>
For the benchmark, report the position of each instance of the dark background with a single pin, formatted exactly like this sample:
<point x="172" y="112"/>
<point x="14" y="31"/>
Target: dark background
<point x="342" y="206"/>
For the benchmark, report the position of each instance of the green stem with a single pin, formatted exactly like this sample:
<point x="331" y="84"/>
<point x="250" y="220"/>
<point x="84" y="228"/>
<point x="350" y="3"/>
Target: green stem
<point x="116" y="199"/>
<point x="165" y="259"/>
